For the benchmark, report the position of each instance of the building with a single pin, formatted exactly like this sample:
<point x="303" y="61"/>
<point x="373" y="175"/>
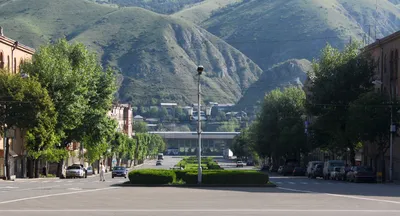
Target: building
<point x="12" y="55"/>
<point x="385" y="53"/>
<point x="123" y="114"/>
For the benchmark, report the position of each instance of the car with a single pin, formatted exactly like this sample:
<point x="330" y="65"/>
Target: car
<point x="89" y="170"/>
<point x="158" y="163"/>
<point x="119" y="171"/>
<point x="75" y="171"/>
<point x="239" y="164"/>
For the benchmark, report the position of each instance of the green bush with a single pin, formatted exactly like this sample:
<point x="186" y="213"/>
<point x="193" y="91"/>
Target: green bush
<point x="152" y="176"/>
<point x="207" y="163"/>
<point x="228" y="177"/>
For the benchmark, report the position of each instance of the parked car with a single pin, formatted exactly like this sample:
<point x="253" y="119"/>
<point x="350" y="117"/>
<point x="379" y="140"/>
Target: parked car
<point x="335" y="174"/>
<point x="158" y="163"/>
<point x="119" y="171"/>
<point x="311" y="166"/>
<point x="361" y="173"/>
<point x="329" y="165"/>
<point x="239" y="164"/>
<point x="317" y="171"/>
<point x="287" y="170"/>
<point x="89" y="170"/>
<point x="250" y="163"/>
<point x="299" y="171"/>
<point x="75" y="171"/>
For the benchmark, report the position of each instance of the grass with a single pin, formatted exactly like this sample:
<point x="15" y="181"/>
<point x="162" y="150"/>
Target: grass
<point x="157" y="54"/>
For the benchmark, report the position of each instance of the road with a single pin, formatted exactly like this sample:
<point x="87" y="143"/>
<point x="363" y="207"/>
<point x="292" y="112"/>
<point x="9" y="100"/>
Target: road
<point x="295" y="196"/>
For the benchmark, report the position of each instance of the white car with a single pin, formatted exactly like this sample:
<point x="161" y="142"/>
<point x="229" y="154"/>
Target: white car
<point x="75" y="171"/>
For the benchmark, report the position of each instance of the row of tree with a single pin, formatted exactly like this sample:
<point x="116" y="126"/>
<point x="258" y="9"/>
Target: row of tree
<point x="64" y="97"/>
<point x="342" y="111"/>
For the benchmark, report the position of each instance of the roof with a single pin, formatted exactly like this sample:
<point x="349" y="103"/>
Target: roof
<point x="169" y="104"/>
<point x="384" y="40"/>
<point x="10" y="42"/>
<point x="138" y="117"/>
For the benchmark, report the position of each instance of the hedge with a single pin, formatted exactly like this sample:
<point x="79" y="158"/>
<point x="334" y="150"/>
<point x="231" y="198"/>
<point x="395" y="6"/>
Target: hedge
<point x="152" y="176"/>
<point x="206" y="163"/>
<point x="234" y="177"/>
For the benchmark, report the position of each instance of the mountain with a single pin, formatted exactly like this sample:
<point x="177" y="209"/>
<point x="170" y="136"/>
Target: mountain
<point x="158" y="6"/>
<point x="156" y="54"/>
<point x="272" y="31"/>
<point x="288" y="73"/>
<point x="198" y="13"/>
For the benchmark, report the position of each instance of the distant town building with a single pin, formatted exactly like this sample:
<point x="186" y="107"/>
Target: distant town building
<point x="123" y="114"/>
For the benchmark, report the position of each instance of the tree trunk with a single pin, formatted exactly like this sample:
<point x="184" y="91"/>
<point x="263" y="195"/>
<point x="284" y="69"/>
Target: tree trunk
<point x="352" y="156"/>
<point x="30" y="168"/>
<point x="60" y="168"/>
<point x="37" y="168"/>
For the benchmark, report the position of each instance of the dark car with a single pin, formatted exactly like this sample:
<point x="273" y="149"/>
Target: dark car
<point x="318" y="171"/>
<point x="361" y="173"/>
<point x="158" y="163"/>
<point x="299" y="171"/>
<point x="119" y="171"/>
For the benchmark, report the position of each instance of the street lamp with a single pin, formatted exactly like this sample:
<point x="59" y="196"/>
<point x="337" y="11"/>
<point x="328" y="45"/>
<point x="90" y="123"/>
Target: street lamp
<point x="392" y="130"/>
<point x="199" y="72"/>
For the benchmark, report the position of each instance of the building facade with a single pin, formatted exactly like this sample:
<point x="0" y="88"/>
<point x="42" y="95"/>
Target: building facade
<point x="12" y="55"/>
<point x="123" y="114"/>
<point x="385" y="53"/>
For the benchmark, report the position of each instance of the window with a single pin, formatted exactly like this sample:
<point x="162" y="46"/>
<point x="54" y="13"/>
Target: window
<point x="1" y="60"/>
<point x="8" y="63"/>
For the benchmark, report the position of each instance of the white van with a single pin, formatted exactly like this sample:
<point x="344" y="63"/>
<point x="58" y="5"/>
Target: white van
<point x="329" y="165"/>
<point x="311" y="166"/>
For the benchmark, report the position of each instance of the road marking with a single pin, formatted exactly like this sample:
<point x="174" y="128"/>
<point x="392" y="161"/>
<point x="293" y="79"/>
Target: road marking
<point x="292" y="183"/>
<point x="340" y="195"/>
<point x="304" y="183"/>
<point x="203" y="210"/>
<point x="74" y="188"/>
<point x="27" y="189"/>
<point x="8" y="187"/>
<point x="54" y="195"/>
<point x="45" y="181"/>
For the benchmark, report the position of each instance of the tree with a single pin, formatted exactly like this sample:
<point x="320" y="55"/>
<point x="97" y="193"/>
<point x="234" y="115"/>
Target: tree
<point x="369" y="119"/>
<point x="140" y="127"/>
<point x="80" y="90"/>
<point x="229" y="126"/>
<point x="338" y="78"/>
<point x="279" y="132"/>
<point x="28" y="106"/>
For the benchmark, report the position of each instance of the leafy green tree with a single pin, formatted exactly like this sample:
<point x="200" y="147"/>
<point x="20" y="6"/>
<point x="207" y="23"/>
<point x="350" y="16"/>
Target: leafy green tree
<point x="80" y="90"/>
<point x="338" y="78"/>
<point x="28" y="106"/>
<point x="140" y="127"/>
<point x="229" y="126"/>
<point x="369" y="119"/>
<point x="278" y="131"/>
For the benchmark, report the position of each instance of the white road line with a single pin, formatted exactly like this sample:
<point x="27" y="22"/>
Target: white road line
<point x="8" y="187"/>
<point x="340" y="195"/>
<point x="278" y="182"/>
<point x="27" y="189"/>
<point x="203" y="210"/>
<point x="53" y="195"/>
<point x="292" y="183"/>
<point x="303" y="183"/>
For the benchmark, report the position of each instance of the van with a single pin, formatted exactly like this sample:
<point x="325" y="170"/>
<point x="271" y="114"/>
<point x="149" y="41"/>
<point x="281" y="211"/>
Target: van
<point x="329" y="165"/>
<point x="310" y="167"/>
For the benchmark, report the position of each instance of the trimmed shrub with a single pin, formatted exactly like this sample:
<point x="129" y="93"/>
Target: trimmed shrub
<point x="152" y="176"/>
<point x="228" y="177"/>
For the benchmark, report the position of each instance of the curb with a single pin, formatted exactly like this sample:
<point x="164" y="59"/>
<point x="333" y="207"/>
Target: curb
<point x="197" y="186"/>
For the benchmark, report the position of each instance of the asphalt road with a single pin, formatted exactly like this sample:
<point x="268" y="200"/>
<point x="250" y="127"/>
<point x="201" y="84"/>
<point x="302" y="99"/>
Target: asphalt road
<point x="295" y="196"/>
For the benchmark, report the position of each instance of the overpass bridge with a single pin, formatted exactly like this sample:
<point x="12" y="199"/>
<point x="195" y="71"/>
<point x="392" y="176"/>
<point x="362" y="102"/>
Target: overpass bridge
<point x="213" y="143"/>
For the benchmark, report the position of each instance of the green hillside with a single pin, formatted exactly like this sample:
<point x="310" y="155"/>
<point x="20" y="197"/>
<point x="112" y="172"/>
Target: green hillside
<point x="273" y="31"/>
<point x="157" y="54"/>
<point x="291" y="72"/>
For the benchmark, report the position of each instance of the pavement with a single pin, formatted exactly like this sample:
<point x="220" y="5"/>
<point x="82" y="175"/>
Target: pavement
<point x="298" y="196"/>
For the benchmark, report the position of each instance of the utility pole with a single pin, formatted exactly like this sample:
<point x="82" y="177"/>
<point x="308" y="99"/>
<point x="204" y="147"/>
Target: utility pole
<point x="199" y="175"/>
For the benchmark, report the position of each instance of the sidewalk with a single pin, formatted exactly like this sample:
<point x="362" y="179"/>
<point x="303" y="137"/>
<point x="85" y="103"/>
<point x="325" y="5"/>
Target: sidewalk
<point x="53" y="178"/>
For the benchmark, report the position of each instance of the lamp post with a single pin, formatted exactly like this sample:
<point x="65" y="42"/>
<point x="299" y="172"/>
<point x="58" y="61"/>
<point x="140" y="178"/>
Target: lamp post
<point x="392" y="129"/>
<point x="199" y="72"/>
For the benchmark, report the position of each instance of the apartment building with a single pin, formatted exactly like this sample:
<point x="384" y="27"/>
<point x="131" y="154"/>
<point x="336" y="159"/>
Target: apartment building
<point x="385" y="53"/>
<point x="12" y="55"/>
